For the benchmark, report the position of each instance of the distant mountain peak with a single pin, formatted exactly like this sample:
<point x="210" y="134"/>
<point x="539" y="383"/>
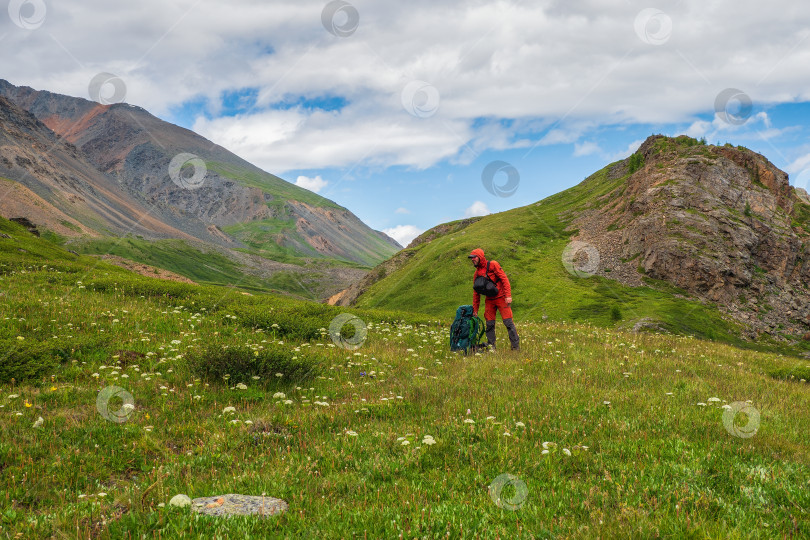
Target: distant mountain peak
<point x="135" y="149"/>
<point x="720" y="222"/>
<point x="82" y="169"/>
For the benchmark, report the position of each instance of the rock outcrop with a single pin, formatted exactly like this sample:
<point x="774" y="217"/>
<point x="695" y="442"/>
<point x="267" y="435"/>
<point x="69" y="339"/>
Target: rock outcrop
<point x="721" y="223"/>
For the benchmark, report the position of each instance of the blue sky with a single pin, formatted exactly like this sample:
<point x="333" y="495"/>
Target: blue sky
<point x="395" y="110"/>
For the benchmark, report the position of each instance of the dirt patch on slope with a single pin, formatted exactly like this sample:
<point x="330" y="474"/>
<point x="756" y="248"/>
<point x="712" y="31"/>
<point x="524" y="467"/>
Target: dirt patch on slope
<point x="145" y="269"/>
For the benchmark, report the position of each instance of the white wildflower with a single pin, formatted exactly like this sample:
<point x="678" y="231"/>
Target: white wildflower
<point x="180" y="500"/>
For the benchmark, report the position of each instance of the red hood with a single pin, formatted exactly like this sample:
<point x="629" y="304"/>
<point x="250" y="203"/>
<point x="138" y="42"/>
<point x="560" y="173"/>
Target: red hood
<point x="478" y="252"/>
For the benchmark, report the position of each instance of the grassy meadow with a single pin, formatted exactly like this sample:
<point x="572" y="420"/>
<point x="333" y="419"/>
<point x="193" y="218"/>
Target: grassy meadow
<point x="530" y="243"/>
<point x="382" y="433"/>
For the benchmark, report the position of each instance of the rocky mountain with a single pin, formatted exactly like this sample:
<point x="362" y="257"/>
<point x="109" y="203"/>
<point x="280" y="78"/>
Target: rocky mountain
<point x="681" y="236"/>
<point x="720" y="222"/>
<point x="52" y="183"/>
<point x="113" y="170"/>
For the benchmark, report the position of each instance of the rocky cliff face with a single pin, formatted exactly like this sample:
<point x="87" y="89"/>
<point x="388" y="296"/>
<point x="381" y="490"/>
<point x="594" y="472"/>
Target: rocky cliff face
<point x="59" y="188"/>
<point x="721" y="223"/>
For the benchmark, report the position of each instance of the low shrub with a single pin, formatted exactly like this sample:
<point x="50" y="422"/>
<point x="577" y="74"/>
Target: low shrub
<point x="796" y="372"/>
<point x="28" y="360"/>
<point x="241" y="363"/>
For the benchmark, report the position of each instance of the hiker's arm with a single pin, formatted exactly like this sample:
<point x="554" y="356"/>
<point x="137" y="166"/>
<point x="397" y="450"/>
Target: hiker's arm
<point x="507" y="288"/>
<point x="476" y="302"/>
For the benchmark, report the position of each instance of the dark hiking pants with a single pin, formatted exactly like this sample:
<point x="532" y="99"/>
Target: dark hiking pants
<point x="514" y="340"/>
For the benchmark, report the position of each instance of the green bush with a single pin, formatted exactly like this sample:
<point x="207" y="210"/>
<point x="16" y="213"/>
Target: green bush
<point x="297" y="322"/>
<point x="636" y="162"/>
<point x="241" y="364"/>
<point x="29" y="360"/>
<point x="795" y="372"/>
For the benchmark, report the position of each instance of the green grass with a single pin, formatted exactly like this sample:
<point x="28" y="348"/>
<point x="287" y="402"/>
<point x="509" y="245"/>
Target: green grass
<point x="650" y="454"/>
<point x="262" y="238"/>
<point x="181" y="258"/>
<point x="270" y="184"/>
<point x="654" y="463"/>
<point x="529" y="243"/>
<point x="277" y="238"/>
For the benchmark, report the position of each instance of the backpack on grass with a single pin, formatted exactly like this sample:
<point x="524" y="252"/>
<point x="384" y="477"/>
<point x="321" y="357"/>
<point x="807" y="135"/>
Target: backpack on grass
<point x="466" y="331"/>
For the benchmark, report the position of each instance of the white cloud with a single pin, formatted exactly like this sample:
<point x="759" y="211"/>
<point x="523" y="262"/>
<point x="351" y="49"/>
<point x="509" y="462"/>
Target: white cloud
<point x="799" y="171"/>
<point x="313" y="184"/>
<point x="402" y="210"/>
<point x="698" y="129"/>
<point x="281" y="141"/>
<point x="477" y="208"/>
<point x="799" y="164"/>
<point x="631" y="149"/>
<point x="586" y="148"/>
<point x="403" y="233"/>
<point x="501" y="69"/>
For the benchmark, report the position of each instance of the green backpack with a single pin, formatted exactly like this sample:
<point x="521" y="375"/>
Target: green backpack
<point x="466" y="331"/>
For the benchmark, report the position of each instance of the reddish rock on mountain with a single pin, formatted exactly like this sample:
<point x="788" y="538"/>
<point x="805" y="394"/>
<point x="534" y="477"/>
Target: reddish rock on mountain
<point x="718" y="222"/>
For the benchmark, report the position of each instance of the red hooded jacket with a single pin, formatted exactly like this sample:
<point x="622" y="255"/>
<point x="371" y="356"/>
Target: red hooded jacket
<point x="496" y="274"/>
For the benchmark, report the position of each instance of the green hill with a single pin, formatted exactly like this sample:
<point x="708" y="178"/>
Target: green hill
<point x="435" y="276"/>
<point x="588" y="432"/>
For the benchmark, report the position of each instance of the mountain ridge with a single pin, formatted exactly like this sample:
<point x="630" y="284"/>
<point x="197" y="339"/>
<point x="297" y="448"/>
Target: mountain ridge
<point x="622" y="249"/>
<point x="87" y="171"/>
<point x="127" y="143"/>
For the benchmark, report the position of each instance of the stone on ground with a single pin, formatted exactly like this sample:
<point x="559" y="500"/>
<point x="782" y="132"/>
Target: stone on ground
<point x="238" y="505"/>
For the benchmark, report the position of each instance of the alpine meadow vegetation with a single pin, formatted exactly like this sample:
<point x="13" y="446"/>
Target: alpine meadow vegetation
<point x="119" y="392"/>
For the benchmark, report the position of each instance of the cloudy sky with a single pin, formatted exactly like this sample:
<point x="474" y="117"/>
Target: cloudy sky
<point x="415" y="113"/>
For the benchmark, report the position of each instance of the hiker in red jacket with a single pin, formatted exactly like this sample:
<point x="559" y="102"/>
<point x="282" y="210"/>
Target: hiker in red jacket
<point x="500" y="301"/>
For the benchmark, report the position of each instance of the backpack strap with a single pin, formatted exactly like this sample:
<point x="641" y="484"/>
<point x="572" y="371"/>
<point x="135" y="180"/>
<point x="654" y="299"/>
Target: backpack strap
<point x="496" y="280"/>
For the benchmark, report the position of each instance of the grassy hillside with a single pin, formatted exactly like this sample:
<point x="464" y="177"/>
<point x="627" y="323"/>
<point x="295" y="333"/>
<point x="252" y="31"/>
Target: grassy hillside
<point x="202" y="267"/>
<point x="605" y="433"/>
<point x="529" y="243"/>
<point x="277" y="238"/>
<point x="270" y="184"/>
